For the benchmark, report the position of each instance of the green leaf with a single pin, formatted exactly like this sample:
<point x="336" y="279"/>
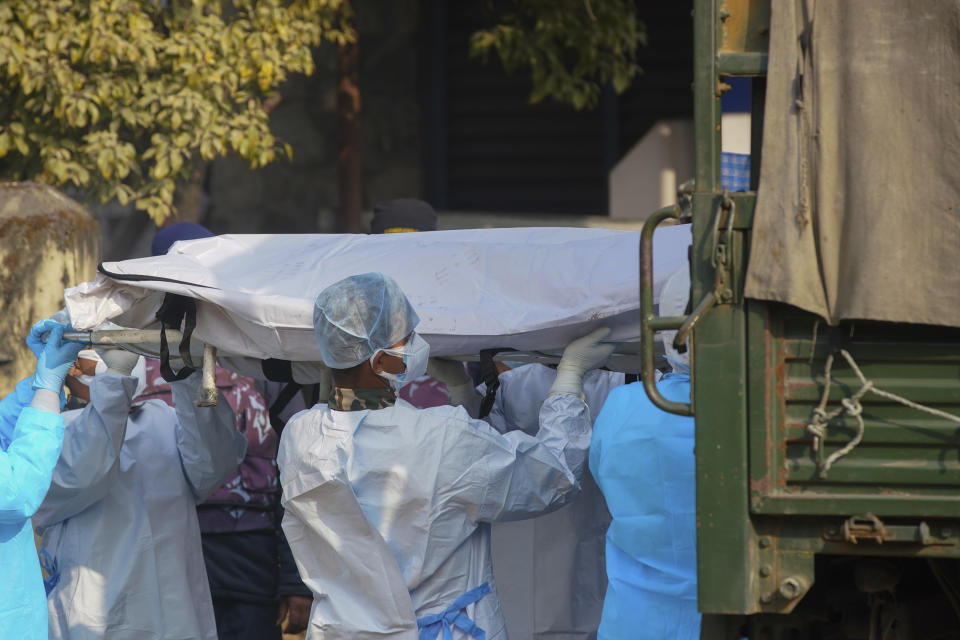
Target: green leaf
<point x="572" y="49"/>
<point x="90" y="84"/>
<point x="104" y="163"/>
<point x="124" y="194"/>
<point x="161" y="169"/>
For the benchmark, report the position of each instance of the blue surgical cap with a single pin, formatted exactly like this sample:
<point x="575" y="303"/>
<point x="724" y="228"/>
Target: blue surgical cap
<point x="356" y="316"/>
<point x="165" y="238"/>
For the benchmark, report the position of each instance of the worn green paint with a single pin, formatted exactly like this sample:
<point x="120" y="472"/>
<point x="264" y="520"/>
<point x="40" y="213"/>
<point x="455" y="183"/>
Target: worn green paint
<point x="742" y="64"/>
<point x="907" y="464"/>
<point x="726" y="542"/>
<point x="763" y="512"/>
<point x="706" y="97"/>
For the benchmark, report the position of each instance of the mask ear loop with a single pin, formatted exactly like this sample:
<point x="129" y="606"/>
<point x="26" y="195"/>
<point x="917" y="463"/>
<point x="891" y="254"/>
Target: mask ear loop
<point x="398" y="352"/>
<point x="383" y="380"/>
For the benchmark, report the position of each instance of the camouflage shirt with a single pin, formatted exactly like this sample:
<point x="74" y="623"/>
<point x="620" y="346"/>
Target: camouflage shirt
<point x="359" y="399"/>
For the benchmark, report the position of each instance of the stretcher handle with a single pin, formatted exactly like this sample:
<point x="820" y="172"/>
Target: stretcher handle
<point x="649" y="322"/>
<point x="120" y="337"/>
<point x="208" y="385"/>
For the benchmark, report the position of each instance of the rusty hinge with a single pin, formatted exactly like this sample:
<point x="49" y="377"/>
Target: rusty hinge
<point x="722" y="293"/>
<point x="866" y="527"/>
<point x="869" y="528"/>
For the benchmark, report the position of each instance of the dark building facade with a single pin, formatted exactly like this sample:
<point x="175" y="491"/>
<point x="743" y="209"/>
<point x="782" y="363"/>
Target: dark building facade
<point x="439" y="125"/>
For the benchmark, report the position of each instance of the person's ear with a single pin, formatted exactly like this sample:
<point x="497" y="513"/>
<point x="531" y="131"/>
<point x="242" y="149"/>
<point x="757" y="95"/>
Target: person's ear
<point x="375" y="362"/>
<point x="387" y="363"/>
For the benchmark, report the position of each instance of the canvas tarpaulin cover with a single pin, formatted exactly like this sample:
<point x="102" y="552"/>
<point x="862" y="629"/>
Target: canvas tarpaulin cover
<point x="522" y="288"/>
<point x="858" y="206"/>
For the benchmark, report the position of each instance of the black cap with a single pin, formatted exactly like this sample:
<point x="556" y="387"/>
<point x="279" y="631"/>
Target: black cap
<point x="165" y="237"/>
<point x="403" y="214"/>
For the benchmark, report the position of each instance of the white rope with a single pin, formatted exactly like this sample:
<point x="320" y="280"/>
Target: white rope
<point x="820" y="419"/>
<point x="895" y="397"/>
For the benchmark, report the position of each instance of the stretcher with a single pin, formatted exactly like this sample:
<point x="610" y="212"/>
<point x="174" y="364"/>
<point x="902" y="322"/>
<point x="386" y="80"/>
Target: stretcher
<point x="531" y="290"/>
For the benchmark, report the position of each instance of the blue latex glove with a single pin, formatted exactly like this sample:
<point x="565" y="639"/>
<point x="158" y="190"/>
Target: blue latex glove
<point x="37" y="331"/>
<point x="55" y="360"/>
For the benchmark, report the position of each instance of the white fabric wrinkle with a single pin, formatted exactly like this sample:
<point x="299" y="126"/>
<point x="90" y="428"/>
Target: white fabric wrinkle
<point x="413" y="492"/>
<point x="131" y="562"/>
<point x="347" y="548"/>
<point x="558" y="589"/>
<point x="90" y="456"/>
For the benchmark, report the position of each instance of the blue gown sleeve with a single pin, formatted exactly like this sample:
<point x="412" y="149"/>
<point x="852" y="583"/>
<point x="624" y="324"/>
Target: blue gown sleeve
<point x="10" y="408"/>
<point x="26" y="464"/>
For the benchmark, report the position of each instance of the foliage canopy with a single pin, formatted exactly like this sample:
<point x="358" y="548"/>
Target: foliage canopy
<point x="117" y="97"/>
<point x="572" y="48"/>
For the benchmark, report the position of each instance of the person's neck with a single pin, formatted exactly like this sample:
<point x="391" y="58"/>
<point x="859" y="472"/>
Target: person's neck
<point x="359" y="378"/>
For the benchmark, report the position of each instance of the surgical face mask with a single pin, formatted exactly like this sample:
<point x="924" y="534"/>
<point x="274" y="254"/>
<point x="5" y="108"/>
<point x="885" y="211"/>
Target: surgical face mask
<point x="415" y="354"/>
<point x="84" y="379"/>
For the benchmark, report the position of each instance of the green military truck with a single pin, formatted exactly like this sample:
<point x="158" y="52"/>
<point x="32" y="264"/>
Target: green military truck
<point x="824" y="322"/>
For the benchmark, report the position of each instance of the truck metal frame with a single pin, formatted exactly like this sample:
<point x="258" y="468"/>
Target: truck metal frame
<point x="777" y="535"/>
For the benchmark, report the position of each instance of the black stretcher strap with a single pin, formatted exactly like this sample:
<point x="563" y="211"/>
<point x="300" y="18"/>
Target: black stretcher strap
<point x="491" y="378"/>
<point x="313" y="394"/>
<point x="277" y="370"/>
<point x="174" y="311"/>
<point x="286" y="395"/>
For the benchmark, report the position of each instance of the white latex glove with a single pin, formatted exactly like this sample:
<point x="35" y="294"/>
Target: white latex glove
<point x="580" y="356"/>
<point x="450" y="372"/>
<point x="117" y="360"/>
<point x="460" y="387"/>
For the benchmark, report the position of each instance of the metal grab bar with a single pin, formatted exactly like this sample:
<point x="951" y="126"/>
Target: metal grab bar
<point x="650" y="323"/>
<point x="120" y="337"/>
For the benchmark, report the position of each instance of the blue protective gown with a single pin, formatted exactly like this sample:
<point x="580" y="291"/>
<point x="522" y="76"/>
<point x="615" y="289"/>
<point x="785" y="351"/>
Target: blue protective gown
<point x="30" y="442"/>
<point x="642" y="458"/>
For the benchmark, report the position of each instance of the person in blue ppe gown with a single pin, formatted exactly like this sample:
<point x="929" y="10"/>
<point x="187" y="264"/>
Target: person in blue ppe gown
<point x="388" y="507"/>
<point x="642" y="458"/>
<point x="31" y="434"/>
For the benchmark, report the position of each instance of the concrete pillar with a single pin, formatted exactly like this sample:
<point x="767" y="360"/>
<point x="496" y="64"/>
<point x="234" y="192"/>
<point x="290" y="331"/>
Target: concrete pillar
<point x="47" y="242"/>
